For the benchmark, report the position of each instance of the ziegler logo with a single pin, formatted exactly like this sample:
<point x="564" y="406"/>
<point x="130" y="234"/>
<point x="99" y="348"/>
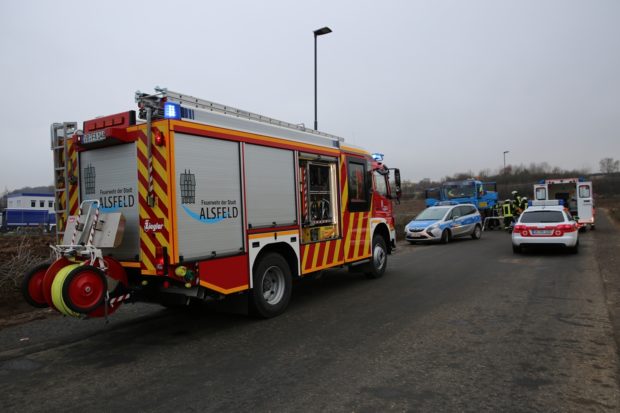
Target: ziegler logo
<point x="152" y="226"/>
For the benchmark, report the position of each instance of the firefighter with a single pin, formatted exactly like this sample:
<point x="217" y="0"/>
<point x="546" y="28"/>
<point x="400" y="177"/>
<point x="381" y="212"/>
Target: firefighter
<point x="516" y="202"/>
<point x="507" y="212"/>
<point x="498" y="209"/>
<point x="495" y="213"/>
<point x="524" y="203"/>
<point x="498" y="213"/>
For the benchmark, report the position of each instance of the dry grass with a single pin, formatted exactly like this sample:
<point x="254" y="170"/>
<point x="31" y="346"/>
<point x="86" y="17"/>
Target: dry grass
<point x="405" y="211"/>
<point x="17" y="255"/>
<point x="611" y="204"/>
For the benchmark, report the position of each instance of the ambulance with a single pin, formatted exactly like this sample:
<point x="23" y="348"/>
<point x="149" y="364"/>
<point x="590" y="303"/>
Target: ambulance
<point x="575" y="194"/>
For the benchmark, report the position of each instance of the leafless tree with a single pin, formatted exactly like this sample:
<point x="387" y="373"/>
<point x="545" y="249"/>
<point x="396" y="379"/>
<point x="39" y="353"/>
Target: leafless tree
<point x="609" y="165"/>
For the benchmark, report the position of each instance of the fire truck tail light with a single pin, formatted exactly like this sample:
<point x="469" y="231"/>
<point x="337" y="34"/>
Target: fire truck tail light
<point x="159" y="138"/>
<point x="160" y="260"/>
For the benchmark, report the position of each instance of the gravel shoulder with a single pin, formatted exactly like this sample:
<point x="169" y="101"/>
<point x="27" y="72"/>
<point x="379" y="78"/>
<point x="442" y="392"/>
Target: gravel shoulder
<point x="607" y="242"/>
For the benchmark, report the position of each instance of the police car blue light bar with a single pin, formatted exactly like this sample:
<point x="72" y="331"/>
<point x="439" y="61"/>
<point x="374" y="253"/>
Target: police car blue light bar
<point x="172" y="110"/>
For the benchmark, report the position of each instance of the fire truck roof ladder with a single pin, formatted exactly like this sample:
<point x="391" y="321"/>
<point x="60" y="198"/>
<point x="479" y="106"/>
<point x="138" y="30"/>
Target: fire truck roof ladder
<point x="288" y="130"/>
<point x="60" y="135"/>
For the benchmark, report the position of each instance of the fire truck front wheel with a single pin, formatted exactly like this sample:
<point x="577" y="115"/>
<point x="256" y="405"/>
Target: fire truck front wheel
<point x="376" y="267"/>
<point x="272" y="286"/>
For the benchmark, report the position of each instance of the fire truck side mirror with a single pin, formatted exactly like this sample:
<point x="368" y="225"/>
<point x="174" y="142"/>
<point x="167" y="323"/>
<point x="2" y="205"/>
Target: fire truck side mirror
<point x="396" y="182"/>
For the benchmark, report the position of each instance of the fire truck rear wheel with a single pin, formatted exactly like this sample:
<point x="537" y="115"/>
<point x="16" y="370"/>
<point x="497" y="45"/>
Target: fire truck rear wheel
<point x="378" y="262"/>
<point x="272" y="286"/>
<point x="32" y="286"/>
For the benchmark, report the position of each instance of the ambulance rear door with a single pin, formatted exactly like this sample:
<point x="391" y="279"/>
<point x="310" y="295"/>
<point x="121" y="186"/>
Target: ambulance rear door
<point x="540" y="192"/>
<point x="585" y="203"/>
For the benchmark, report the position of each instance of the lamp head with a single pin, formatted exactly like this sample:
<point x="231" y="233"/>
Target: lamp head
<point x="322" y="31"/>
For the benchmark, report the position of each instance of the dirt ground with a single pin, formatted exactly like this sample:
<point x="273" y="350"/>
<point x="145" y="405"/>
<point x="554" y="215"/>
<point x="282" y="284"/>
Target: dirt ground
<point x="18" y="253"/>
<point x="612" y="205"/>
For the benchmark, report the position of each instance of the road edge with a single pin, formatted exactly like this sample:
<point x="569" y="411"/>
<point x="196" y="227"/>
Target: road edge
<point x="608" y="263"/>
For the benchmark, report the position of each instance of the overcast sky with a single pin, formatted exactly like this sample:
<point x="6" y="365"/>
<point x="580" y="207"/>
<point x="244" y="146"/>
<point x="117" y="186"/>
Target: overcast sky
<point x="438" y="86"/>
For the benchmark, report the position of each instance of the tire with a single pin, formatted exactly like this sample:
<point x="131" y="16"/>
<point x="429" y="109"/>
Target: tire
<point x="272" y="286"/>
<point x="378" y="263"/>
<point x="477" y="232"/>
<point x="575" y="249"/>
<point x="516" y="249"/>
<point x="32" y="286"/>
<point x="445" y="236"/>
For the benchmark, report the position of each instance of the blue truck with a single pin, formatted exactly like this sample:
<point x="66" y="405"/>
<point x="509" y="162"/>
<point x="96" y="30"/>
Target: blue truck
<point x="12" y="219"/>
<point x="469" y="191"/>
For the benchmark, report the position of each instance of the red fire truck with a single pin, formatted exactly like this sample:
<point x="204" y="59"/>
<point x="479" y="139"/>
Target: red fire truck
<point x="200" y="201"/>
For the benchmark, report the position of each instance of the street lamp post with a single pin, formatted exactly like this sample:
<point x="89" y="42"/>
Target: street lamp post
<point x="505" y="152"/>
<point x="317" y="33"/>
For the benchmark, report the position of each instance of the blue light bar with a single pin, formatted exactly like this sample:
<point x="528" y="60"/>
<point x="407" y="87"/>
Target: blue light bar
<point x="377" y="157"/>
<point x="172" y="110"/>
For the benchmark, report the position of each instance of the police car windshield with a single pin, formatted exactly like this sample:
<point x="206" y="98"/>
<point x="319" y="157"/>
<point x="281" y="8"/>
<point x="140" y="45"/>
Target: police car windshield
<point x="431" y="213"/>
<point x="541" y="217"/>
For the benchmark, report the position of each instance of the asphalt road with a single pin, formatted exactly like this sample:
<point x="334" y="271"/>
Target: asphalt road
<point x="466" y="326"/>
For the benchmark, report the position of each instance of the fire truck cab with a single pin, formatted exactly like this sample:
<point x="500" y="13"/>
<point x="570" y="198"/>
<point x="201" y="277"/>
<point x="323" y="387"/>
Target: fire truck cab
<point x="200" y="201"/>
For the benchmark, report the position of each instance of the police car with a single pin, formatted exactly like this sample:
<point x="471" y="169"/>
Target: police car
<point x="443" y="222"/>
<point x="545" y="223"/>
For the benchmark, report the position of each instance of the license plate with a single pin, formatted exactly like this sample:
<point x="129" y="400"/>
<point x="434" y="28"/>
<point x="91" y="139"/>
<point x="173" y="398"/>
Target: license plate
<point x="542" y="232"/>
<point x="416" y="235"/>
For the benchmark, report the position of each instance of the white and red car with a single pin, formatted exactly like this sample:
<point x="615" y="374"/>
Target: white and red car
<point x="545" y="225"/>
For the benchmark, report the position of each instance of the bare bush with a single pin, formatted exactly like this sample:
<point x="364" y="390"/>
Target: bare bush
<point x="23" y="257"/>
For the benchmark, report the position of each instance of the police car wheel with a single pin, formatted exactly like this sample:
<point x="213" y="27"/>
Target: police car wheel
<point x="272" y="286"/>
<point x="445" y="236"/>
<point x="477" y="232"/>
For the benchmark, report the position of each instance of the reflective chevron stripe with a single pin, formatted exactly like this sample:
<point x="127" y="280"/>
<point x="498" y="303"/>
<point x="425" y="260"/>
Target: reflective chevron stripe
<point x="160" y="164"/>
<point x="119" y="299"/>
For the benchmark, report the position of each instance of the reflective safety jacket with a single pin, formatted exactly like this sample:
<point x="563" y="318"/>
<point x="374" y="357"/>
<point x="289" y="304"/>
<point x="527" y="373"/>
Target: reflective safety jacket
<point x="507" y="209"/>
